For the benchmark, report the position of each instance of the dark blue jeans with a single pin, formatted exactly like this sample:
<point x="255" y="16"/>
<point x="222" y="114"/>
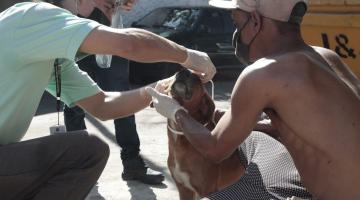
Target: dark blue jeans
<point x="115" y="78"/>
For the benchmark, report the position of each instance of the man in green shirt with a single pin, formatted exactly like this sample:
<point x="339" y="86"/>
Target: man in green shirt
<point x="35" y="35"/>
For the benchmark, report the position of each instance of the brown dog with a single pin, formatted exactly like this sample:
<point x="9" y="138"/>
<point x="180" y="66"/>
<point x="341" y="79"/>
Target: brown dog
<point x="194" y="175"/>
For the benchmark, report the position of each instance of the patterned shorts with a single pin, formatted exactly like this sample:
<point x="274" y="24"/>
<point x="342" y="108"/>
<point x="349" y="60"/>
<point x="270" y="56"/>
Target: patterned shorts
<point x="270" y="172"/>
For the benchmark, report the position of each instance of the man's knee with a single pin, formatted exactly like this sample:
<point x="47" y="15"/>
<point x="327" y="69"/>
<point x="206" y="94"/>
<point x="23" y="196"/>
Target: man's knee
<point x="86" y="149"/>
<point x="98" y="147"/>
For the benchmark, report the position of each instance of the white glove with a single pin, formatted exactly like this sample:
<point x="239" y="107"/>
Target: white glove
<point x="162" y="86"/>
<point x="200" y="63"/>
<point x="163" y="104"/>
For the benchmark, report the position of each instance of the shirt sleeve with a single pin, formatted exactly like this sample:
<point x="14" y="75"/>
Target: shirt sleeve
<point x="48" y="32"/>
<point x="75" y="84"/>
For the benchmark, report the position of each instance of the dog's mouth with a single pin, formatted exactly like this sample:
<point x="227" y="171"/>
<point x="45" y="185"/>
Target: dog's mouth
<point x="184" y="86"/>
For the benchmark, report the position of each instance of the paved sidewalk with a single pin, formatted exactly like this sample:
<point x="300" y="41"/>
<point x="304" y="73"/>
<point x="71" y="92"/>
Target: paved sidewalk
<point x="152" y="132"/>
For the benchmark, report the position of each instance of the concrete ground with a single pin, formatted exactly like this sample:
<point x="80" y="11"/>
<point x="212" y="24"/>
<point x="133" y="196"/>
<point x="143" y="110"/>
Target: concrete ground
<point x="152" y="132"/>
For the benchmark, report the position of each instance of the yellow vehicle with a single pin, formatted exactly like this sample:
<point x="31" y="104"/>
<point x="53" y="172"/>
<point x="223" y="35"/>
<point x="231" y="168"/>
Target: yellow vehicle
<point x="335" y="24"/>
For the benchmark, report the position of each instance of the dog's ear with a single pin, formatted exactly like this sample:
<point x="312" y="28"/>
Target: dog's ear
<point x="207" y="108"/>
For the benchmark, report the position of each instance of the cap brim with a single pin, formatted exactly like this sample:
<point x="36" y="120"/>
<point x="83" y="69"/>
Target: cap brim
<point x="223" y="4"/>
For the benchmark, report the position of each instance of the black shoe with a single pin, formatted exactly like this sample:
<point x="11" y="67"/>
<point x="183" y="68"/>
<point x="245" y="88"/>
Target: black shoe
<point x="135" y="169"/>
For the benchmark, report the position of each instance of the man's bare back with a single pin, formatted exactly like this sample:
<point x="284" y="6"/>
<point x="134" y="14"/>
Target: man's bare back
<point x="318" y="119"/>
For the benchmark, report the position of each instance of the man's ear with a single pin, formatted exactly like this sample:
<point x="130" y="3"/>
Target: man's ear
<point x="207" y="107"/>
<point x="256" y="21"/>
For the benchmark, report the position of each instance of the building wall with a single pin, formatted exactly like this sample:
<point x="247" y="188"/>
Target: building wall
<point x="143" y="7"/>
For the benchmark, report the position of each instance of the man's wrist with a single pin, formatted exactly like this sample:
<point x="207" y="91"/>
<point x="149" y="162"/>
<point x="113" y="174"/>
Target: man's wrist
<point x="144" y="95"/>
<point x="187" y="57"/>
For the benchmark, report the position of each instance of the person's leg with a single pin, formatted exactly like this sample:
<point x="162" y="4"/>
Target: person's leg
<point x="74" y="118"/>
<point x="116" y="78"/>
<point x="127" y="137"/>
<point x="62" y="166"/>
<point x="134" y="166"/>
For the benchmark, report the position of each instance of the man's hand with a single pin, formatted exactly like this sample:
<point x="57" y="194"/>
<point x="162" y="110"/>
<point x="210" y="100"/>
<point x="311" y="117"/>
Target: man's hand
<point x="163" y="86"/>
<point x="163" y="104"/>
<point x="201" y="64"/>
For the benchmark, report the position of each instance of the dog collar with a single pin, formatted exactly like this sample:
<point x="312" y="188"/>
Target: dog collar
<point x="212" y="89"/>
<point x="175" y="131"/>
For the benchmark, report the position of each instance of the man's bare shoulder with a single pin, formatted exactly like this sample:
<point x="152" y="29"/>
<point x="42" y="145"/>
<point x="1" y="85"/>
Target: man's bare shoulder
<point x="276" y="67"/>
<point x="257" y="70"/>
<point x="258" y="76"/>
<point x="273" y="74"/>
<point x="325" y="52"/>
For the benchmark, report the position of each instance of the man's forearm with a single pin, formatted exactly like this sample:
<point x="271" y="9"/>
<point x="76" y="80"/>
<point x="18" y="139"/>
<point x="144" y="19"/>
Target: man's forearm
<point x="199" y="136"/>
<point x="148" y="47"/>
<point x="125" y="103"/>
<point x="263" y="124"/>
<point x="134" y="44"/>
<point x="113" y="105"/>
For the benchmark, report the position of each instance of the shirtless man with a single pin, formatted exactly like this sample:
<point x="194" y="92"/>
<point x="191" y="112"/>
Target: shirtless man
<point x="310" y="95"/>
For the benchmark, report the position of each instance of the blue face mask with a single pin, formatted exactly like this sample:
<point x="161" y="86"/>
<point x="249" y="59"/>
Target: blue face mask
<point x="241" y="49"/>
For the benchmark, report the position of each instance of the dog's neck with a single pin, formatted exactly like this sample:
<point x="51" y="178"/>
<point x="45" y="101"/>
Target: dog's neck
<point x="174" y="130"/>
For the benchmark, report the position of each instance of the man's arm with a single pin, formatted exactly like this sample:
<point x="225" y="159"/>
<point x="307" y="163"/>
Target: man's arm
<point x="144" y="46"/>
<point x="134" y="44"/>
<point x="263" y="124"/>
<point x="112" y="105"/>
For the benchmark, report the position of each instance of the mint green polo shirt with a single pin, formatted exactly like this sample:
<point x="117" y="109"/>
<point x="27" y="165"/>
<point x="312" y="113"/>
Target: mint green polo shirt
<point x="32" y="36"/>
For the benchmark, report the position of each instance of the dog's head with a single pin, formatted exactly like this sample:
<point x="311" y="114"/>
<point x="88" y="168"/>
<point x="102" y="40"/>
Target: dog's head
<point x="189" y="91"/>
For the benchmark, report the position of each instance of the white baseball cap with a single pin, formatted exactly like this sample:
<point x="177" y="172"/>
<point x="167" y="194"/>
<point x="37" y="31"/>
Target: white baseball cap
<point x="280" y="10"/>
